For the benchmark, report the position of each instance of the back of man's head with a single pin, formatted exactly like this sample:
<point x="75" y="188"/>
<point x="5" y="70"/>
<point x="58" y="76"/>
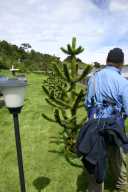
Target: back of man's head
<point x="115" y="57"/>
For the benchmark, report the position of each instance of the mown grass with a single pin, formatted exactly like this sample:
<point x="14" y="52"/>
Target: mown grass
<point x="45" y="166"/>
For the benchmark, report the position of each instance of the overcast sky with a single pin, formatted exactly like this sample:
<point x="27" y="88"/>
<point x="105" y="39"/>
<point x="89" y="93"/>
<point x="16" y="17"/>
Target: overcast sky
<point x="99" y="25"/>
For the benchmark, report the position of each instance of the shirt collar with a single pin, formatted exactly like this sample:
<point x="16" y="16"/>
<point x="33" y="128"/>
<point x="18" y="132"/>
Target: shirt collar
<point x="113" y="68"/>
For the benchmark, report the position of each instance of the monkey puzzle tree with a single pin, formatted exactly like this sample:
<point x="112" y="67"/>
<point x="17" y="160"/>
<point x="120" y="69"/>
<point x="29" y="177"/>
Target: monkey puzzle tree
<point x="65" y="93"/>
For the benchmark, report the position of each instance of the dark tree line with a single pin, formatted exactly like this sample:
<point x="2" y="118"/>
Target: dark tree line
<point x="24" y="57"/>
<point x="27" y="59"/>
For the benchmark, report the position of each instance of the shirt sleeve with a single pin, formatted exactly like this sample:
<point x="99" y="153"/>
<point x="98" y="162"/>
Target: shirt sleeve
<point x="125" y="98"/>
<point x="90" y="92"/>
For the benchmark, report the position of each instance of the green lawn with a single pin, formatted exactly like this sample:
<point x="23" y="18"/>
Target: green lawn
<point x="45" y="167"/>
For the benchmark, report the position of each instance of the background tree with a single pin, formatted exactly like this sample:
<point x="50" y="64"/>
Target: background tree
<point x="26" y="46"/>
<point x="65" y="94"/>
<point x="97" y="65"/>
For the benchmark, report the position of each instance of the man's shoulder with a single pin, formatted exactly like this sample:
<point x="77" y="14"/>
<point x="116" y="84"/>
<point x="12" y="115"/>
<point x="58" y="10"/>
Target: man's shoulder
<point x="113" y="76"/>
<point x="123" y="80"/>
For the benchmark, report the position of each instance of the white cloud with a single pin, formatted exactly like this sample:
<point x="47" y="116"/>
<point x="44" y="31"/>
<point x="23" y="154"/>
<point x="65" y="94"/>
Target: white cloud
<point x="119" y="5"/>
<point x="47" y="25"/>
<point x="31" y="2"/>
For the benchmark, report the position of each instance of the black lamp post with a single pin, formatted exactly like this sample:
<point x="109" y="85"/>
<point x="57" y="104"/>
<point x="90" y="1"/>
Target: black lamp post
<point x="13" y="91"/>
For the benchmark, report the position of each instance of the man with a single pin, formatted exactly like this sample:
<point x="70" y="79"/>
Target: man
<point x="107" y="86"/>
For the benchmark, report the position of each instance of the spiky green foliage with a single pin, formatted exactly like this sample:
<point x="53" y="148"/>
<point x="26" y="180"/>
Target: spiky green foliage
<point x="72" y="50"/>
<point x="65" y="94"/>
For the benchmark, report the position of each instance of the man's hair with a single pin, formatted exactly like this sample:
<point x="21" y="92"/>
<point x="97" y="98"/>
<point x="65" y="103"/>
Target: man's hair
<point x="115" y="56"/>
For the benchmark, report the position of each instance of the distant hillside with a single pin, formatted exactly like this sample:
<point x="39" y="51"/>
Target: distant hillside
<point x="24" y="57"/>
<point x="27" y="59"/>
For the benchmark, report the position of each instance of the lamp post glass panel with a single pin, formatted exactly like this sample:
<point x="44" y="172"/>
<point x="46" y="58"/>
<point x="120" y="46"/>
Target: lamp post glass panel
<point x="13" y="91"/>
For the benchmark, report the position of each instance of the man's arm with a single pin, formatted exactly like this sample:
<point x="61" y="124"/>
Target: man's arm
<point x="90" y="92"/>
<point x="125" y="98"/>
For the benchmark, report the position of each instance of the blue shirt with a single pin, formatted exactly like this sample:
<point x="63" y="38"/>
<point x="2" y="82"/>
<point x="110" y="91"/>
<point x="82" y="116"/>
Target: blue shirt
<point x="108" y="85"/>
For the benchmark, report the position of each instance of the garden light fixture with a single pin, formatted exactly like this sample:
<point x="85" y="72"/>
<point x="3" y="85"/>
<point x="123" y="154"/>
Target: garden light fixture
<point x="14" y="70"/>
<point x="13" y="91"/>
